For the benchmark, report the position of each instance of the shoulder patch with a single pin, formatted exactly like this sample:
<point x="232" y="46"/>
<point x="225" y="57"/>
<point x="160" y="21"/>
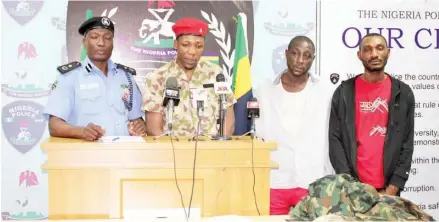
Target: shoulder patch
<point x="68" y="67"/>
<point x="126" y="69"/>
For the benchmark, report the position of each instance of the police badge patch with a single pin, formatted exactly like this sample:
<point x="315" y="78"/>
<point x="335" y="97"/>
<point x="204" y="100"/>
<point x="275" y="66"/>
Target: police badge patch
<point x="23" y="124"/>
<point x="334" y="77"/>
<point x="22" y="11"/>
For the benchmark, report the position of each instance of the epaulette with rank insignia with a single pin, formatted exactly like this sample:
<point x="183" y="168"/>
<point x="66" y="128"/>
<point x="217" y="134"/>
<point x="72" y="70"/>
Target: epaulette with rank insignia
<point x="126" y="69"/>
<point x="68" y="67"/>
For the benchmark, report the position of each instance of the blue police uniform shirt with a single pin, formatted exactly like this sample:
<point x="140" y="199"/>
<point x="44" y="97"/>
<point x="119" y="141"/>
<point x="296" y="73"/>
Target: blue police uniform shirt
<point x="85" y="95"/>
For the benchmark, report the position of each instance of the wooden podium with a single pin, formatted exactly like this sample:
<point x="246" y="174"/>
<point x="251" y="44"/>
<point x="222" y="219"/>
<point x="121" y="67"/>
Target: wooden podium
<point x="95" y="180"/>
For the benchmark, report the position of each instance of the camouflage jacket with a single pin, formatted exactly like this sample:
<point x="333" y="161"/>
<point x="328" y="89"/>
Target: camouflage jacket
<point x="343" y="196"/>
<point x="185" y="118"/>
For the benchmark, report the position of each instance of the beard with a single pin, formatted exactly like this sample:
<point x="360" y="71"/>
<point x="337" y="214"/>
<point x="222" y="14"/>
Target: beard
<point x="301" y="73"/>
<point x="374" y="69"/>
<point x="371" y="68"/>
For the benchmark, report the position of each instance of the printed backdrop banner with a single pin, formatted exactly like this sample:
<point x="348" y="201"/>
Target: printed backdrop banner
<point x="412" y="34"/>
<point x="44" y="34"/>
<point x="144" y="39"/>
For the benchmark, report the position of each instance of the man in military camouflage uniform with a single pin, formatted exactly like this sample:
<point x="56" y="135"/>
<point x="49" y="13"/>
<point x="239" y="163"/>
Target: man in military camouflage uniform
<point x="191" y="74"/>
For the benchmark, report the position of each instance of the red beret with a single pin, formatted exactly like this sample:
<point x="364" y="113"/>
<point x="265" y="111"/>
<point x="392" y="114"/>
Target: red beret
<point x="191" y="26"/>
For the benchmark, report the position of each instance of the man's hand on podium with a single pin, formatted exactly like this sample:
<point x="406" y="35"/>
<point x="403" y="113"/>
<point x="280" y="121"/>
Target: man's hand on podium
<point x="137" y="127"/>
<point x="92" y="132"/>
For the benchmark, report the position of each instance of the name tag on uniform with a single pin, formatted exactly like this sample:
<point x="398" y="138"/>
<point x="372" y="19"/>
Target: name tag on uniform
<point x="198" y="94"/>
<point x="89" y="86"/>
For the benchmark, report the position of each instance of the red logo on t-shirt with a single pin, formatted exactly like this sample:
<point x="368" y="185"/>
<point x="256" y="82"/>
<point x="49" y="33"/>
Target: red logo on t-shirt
<point x="377" y="105"/>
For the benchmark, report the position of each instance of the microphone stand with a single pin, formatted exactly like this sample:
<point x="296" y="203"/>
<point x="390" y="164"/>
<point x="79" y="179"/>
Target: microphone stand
<point x="199" y="131"/>
<point x="168" y="131"/>
<point x="252" y="131"/>
<point x="222" y="119"/>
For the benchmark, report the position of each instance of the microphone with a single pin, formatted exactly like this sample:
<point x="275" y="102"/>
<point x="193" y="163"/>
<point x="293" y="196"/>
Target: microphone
<point x="252" y="113"/>
<point x="200" y="108"/>
<point x="171" y="98"/>
<point x="200" y="97"/>
<point x="222" y="89"/>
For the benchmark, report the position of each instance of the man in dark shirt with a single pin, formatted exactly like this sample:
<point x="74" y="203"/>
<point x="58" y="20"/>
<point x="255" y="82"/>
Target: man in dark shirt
<point x="371" y="125"/>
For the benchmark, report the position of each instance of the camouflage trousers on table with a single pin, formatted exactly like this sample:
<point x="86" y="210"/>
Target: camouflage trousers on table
<point x="351" y="200"/>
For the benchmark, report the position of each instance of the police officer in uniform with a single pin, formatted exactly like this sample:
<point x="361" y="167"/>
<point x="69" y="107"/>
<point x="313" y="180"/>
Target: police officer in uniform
<point x="96" y="97"/>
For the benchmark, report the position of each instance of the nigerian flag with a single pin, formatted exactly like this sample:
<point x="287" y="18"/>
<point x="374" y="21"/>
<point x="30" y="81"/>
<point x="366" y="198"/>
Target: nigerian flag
<point x="241" y="78"/>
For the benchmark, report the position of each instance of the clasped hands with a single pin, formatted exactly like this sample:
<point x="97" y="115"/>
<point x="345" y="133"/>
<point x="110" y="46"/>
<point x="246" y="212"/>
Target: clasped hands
<point x="137" y="127"/>
<point x="93" y="132"/>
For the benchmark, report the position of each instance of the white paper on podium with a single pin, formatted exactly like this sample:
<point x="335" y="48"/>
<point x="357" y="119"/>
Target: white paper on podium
<point x="121" y="139"/>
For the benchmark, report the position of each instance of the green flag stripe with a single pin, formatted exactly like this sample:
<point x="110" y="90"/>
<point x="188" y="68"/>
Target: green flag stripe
<point x="240" y="49"/>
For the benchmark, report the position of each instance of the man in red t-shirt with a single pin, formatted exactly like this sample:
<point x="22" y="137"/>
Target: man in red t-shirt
<point x="366" y="111"/>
